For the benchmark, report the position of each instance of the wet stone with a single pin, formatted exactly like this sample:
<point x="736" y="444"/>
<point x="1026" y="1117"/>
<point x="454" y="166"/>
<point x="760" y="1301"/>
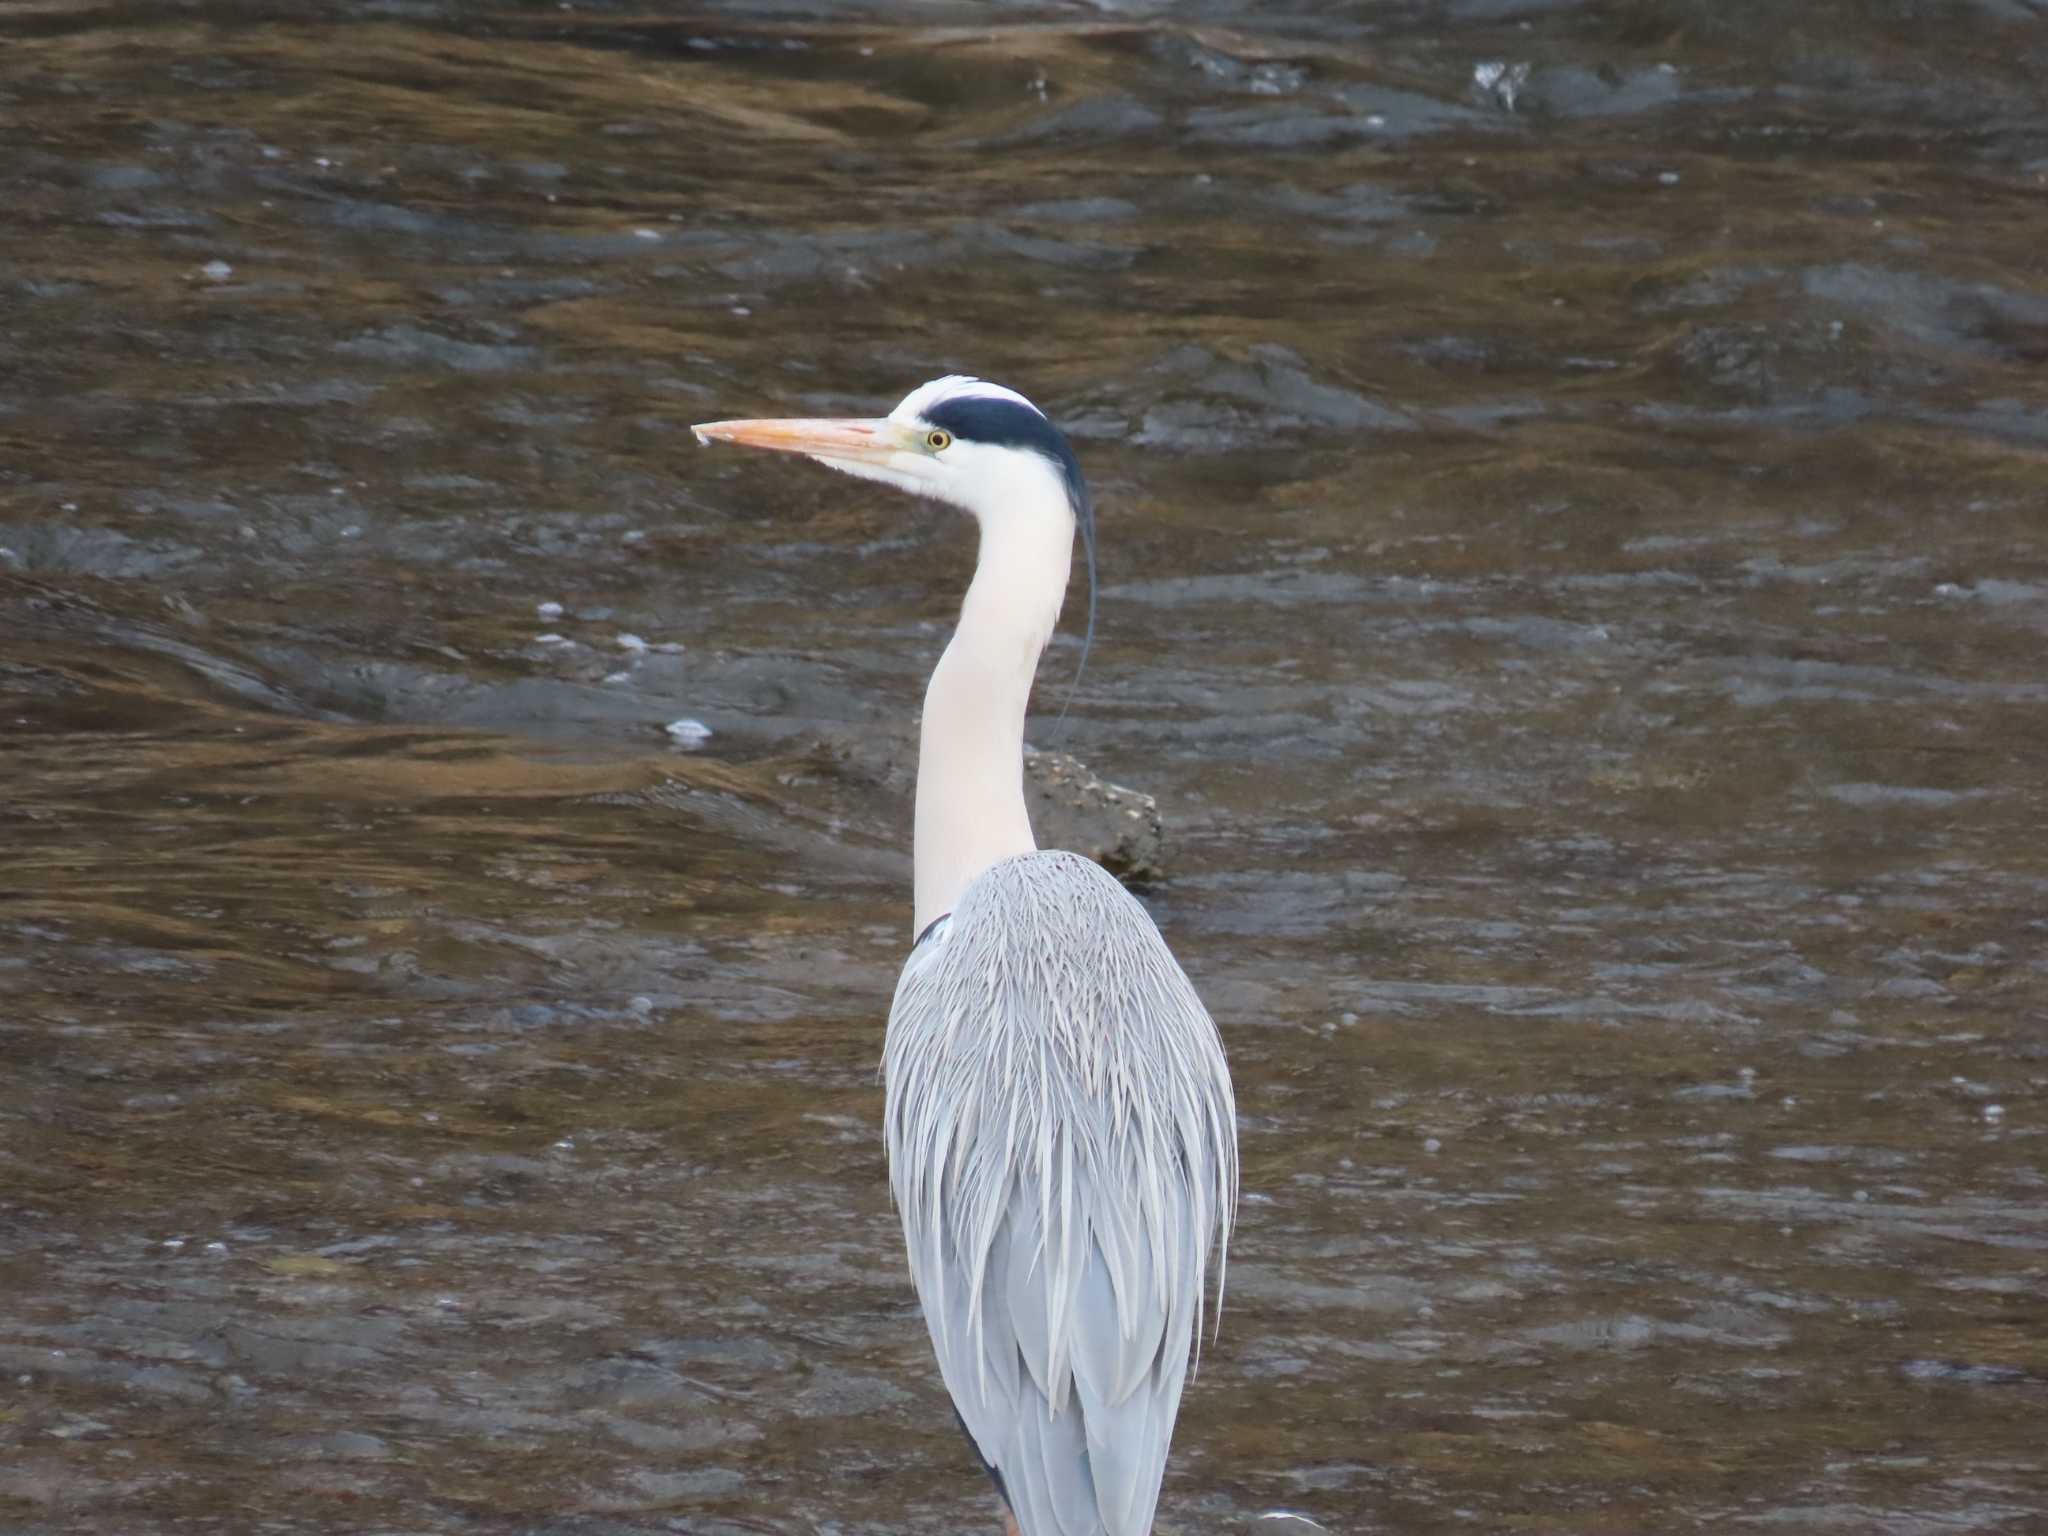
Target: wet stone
<point x="342" y="1445"/>
<point x="1119" y="828"/>
<point x="840" y="1394"/>
<point x="411" y="345"/>
<point x="1572" y="90"/>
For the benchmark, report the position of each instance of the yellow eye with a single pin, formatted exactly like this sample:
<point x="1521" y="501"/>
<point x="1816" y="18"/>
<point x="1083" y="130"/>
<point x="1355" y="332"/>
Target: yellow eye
<point x="938" y="439"/>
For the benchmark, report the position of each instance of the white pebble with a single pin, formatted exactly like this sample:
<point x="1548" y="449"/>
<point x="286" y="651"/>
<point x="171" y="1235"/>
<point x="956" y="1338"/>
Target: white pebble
<point x="550" y="638"/>
<point x="216" y="271"/>
<point x="688" y="733"/>
<point x="217" y="1249"/>
<point x="646" y="234"/>
<point x="1431" y="1144"/>
<point x="616" y="678"/>
<point x="1994" y="1113"/>
<point x="632" y="643"/>
<point x="549" y="610"/>
<point x="635" y="536"/>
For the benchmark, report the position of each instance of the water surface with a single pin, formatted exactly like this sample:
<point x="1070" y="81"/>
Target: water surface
<point x="1574" y="575"/>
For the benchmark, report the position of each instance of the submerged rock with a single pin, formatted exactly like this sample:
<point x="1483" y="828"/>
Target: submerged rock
<point x="1116" y="826"/>
<point x="1070" y="806"/>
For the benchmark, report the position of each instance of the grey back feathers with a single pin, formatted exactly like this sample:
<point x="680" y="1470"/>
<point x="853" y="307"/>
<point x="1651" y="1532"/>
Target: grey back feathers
<point x="1062" y="1148"/>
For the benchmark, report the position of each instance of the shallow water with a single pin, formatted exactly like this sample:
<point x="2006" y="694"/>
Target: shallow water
<point x="1572" y="487"/>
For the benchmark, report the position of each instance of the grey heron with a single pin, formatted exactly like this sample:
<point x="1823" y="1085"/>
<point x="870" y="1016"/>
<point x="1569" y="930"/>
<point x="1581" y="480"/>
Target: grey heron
<point x="1060" y="1128"/>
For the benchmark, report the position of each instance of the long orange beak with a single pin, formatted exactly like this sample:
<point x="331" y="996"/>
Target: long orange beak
<point x="872" y="441"/>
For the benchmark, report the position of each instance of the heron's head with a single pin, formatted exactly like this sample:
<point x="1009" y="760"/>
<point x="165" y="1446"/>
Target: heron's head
<point x="979" y="446"/>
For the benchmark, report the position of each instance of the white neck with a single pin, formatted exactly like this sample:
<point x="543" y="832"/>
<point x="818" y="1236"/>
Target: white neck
<point x="970" y="756"/>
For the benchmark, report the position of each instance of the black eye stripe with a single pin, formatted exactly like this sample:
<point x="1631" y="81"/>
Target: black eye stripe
<point x="1001" y="423"/>
<point x="1006" y="424"/>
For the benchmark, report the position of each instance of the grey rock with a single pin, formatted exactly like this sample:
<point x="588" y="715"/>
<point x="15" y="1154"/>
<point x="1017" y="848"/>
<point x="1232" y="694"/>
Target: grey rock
<point x="1114" y="825"/>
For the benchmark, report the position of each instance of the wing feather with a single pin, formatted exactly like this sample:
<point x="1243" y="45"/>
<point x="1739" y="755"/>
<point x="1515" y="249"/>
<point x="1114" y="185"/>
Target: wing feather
<point x="1062" y="1147"/>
